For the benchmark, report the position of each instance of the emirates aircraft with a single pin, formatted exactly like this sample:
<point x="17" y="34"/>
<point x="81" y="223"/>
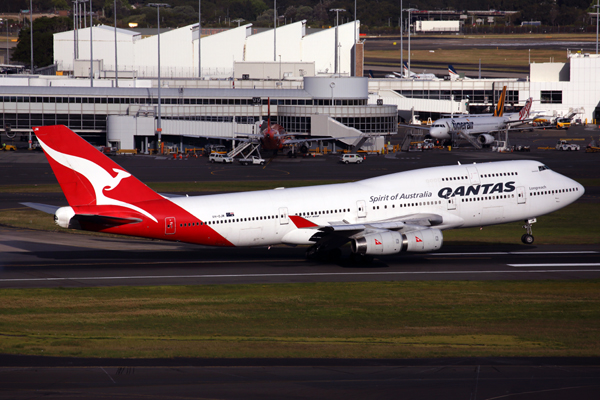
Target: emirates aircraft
<point x="401" y="212"/>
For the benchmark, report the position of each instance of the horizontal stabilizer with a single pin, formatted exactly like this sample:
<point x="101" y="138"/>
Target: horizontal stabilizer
<point x="104" y="220"/>
<point x="47" y="208"/>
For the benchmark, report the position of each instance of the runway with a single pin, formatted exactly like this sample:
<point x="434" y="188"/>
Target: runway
<point x="475" y="378"/>
<point x="41" y="259"/>
<point x="33" y="259"/>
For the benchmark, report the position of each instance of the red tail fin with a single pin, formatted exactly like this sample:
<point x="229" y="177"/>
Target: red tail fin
<point x="86" y="176"/>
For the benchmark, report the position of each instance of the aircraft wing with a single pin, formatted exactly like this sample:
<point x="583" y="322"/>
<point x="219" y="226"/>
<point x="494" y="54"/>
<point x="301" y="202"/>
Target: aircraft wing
<point x="314" y="139"/>
<point x="247" y="137"/>
<point x="340" y="232"/>
<point x="405" y="223"/>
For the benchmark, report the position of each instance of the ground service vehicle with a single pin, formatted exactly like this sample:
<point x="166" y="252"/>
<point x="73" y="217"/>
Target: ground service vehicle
<point x="563" y="145"/>
<point x="254" y="160"/>
<point x="7" y="147"/>
<point x="385" y="215"/>
<point x="563" y="123"/>
<point x="351" y="159"/>
<point x="220" y="158"/>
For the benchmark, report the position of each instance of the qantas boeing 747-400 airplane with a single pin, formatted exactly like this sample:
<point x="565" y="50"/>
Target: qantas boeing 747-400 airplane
<point x="401" y="212"/>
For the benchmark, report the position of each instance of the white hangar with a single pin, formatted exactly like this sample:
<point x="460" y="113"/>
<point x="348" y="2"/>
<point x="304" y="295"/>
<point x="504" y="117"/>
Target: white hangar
<point x="138" y="56"/>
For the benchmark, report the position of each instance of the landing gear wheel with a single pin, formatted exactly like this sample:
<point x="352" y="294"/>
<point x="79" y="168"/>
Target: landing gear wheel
<point x="527" y="239"/>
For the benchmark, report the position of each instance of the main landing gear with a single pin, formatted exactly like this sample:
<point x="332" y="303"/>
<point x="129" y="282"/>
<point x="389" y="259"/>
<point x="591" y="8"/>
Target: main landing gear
<point x="528" y="237"/>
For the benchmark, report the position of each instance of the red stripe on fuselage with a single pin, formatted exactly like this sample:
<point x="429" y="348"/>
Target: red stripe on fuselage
<point x="301" y="222"/>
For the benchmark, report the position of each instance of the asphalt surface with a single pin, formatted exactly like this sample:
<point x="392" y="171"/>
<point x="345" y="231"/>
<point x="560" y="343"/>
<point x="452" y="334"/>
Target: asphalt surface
<point x="43" y="259"/>
<point x="476" y="378"/>
<point x="30" y="259"/>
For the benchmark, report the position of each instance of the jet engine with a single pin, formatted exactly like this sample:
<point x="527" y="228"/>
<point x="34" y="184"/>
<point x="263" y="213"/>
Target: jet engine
<point x="485" y="139"/>
<point x="62" y="217"/>
<point x="391" y="242"/>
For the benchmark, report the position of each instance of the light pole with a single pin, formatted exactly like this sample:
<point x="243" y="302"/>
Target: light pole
<point x="337" y="22"/>
<point x="401" y="37"/>
<point x="91" y="48"/>
<point x="274" y="30"/>
<point x="158" y="126"/>
<point x="280" y="67"/>
<point x="355" y="63"/>
<point x="410" y="10"/>
<point x="597" y="7"/>
<point x="199" y="38"/>
<point x="116" y="64"/>
<point x="31" y="32"/>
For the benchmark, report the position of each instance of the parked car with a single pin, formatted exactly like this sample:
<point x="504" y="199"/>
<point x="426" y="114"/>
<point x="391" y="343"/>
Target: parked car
<point x="563" y="145"/>
<point x="220" y="158"/>
<point x="351" y="158"/>
<point x="254" y="160"/>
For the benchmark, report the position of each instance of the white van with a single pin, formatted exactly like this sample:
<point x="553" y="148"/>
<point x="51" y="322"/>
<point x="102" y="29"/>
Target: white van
<point x="351" y="158"/>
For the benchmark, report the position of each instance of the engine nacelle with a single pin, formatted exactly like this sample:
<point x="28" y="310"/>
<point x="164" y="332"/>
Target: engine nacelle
<point x="62" y="217"/>
<point x="484" y="138"/>
<point x="395" y="242"/>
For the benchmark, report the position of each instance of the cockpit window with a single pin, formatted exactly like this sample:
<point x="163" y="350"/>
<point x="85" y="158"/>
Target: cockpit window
<point x="543" y="168"/>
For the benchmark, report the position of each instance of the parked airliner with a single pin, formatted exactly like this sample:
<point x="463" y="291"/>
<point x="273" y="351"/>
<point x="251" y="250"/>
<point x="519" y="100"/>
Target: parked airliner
<point x="480" y="126"/>
<point x="390" y="214"/>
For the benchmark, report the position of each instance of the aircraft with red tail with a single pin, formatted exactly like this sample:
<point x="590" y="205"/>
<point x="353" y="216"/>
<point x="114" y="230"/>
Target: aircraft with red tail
<point x="390" y="214"/>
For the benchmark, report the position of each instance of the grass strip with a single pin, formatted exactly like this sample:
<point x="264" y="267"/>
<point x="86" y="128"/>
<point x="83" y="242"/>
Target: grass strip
<point x="342" y="320"/>
<point x="508" y="57"/>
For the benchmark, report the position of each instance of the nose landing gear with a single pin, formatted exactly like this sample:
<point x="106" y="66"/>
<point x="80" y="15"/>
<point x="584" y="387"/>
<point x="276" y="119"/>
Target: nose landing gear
<point x="528" y="237"/>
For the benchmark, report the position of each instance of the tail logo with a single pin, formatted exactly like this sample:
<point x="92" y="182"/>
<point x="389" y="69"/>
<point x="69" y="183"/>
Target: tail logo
<point x="98" y="177"/>
<point x="524" y="113"/>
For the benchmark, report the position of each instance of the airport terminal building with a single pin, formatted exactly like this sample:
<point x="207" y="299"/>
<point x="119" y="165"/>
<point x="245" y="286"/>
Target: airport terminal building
<point x="126" y="117"/>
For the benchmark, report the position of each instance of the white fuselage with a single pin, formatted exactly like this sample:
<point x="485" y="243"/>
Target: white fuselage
<point x="463" y="195"/>
<point x="471" y="125"/>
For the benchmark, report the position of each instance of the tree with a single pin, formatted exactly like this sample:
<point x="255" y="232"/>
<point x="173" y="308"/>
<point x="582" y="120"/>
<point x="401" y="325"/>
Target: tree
<point x="43" y="42"/>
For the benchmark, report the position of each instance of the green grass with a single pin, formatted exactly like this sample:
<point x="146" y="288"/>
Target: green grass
<point x="508" y="58"/>
<point x="345" y="320"/>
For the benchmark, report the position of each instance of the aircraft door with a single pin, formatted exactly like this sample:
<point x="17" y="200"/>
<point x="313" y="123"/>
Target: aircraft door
<point x="473" y="175"/>
<point x="170" y="226"/>
<point x="362" y="209"/>
<point x="521" y="195"/>
<point x="283" y="216"/>
<point x="452" y="203"/>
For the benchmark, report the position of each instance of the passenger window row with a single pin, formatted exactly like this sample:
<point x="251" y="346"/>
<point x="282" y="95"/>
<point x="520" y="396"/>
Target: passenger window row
<point x="317" y="213"/>
<point x="267" y="217"/>
<point x="421" y="203"/>
<point x="483" y="198"/>
<point x="228" y="221"/>
<point x="499" y="174"/>
<point x="546" y="192"/>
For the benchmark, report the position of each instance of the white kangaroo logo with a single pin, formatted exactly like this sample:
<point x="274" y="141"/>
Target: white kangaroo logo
<point x="99" y="178"/>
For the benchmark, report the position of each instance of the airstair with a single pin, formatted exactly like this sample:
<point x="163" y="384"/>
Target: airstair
<point x="240" y="147"/>
<point x="470" y="138"/>
<point x="412" y="135"/>
<point x="246" y="149"/>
